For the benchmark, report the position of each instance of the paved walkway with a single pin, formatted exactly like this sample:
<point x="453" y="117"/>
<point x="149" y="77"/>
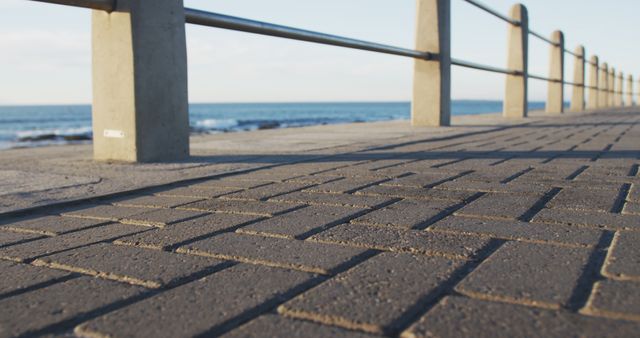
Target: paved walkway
<point x="517" y="230"/>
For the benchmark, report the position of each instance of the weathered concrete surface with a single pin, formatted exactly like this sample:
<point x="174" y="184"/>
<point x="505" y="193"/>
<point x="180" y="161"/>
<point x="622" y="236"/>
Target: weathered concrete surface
<point x="490" y="228"/>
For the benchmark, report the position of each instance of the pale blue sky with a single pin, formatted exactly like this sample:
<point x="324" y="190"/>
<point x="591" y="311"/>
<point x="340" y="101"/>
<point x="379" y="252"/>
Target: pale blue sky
<point x="46" y="57"/>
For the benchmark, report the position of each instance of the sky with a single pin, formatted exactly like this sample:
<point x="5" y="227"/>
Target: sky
<point x="45" y="53"/>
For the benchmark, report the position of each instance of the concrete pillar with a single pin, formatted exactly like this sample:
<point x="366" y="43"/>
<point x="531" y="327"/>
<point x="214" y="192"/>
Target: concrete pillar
<point x="629" y="101"/>
<point x="555" y="98"/>
<point x="603" y="85"/>
<point x="516" y="96"/>
<point x="594" y="93"/>
<point x="431" y="104"/>
<point x="140" y="105"/>
<point x="612" y="87"/>
<point x="620" y="90"/>
<point x="577" y="99"/>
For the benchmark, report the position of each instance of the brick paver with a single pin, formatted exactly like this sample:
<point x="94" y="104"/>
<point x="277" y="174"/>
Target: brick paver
<point x="517" y="230"/>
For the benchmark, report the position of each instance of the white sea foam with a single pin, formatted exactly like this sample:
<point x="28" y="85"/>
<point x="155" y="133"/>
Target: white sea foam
<point x="217" y="124"/>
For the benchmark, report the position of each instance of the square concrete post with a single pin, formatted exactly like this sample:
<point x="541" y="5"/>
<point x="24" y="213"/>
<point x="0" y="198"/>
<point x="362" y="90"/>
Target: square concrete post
<point x="516" y="96"/>
<point x="577" y="99"/>
<point x="612" y="87"/>
<point x="555" y="98"/>
<point x="620" y="90"/>
<point x="594" y="92"/>
<point x="629" y="101"/>
<point x="604" y="86"/>
<point x="431" y="104"/>
<point x="140" y="105"/>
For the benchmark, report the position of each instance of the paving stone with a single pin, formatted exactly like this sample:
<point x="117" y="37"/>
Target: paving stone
<point x="18" y="276"/>
<point x="389" y="286"/>
<point x="52" y="225"/>
<point x="631" y="208"/>
<point x="258" y="208"/>
<point x="344" y="185"/>
<point x="200" y="306"/>
<point x="528" y="273"/>
<point x="25" y="314"/>
<point x="420" y="180"/>
<point x="464" y="317"/>
<point x="104" y="212"/>
<point x="50" y="245"/>
<point x="585" y="199"/>
<point x="415" y="193"/>
<point x="302" y="221"/>
<point x="278" y="252"/>
<point x="500" y="206"/>
<point x="278" y="326"/>
<point x="493" y="186"/>
<point x="339" y="200"/>
<point x="403" y="240"/>
<point x="8" y="238"/>
<point x="634" y="193"/>
<point x="155" y="201"/>
<point x="615" y="299"/>
<point x="270" y="175"/>
<point x="162" y="217"/>
<point x="127" y="264"/>
<point x="406" y="213"/>
<point x="230" y="182"/>
<point x="521" y="231"/>
<point x="168" y="237"/>
<point x="623" y="261"/>
<point x="588" y="218"/>
<point x="264" y="192"/>
<point x="197" y="192"/>
<point x="313" y="179"/>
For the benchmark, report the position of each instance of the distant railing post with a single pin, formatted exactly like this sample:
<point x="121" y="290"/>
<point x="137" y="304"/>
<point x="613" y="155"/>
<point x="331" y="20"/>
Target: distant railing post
<point x="612" y="87"/>
<point x="516" y="97"/>
<point x="431" y="104"/>
<point x="555" y="100"/>
<point x="629" y="101"/>
<point x="620" y="89"/>
<point x="140" y="107"/>
<point x="603" y="86"/>
<point x="577" y="99"/>
<point x="594" y="92"/>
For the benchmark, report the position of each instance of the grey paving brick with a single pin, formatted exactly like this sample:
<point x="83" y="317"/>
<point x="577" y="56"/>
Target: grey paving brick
<point x="500" y="206"/>
<point x="340" y="200"/>
<point x="464" y="317"/>
<point x="302" y="221"/>
<point x="186" y="231"/>
<point x="128" y="264"/>
<point x="197" y="192"/>
<point x="278" y="252"/>
<point x="585" y="199"/>
<point x="415" y="193"/>
<point x="258" y="208"/>
<point x="49" y="245"/>
<point x="104" y="212"/>
<point x="27" y="313"/>
<point x="264" y="192"/>
<point x="623" y="260"/>
<point x="588" y="218"/>
<point x="314" y="179"/>
<point x="493" y="186"/>
<point x="403" y="240"/>
<point x="269" y="175"/>
<point x="230" y="182"/>
<point x="389" y="286"/>
<point x="52" y="225"/>
<point x="631" y="208"/>
<point x="615" y="299"/>
<point x="406" y="213"/>
<point x="521" y="231"/>
<point x="344" y="185"/>
<point x="420" y="180"/>
<point x="278" y="326"/>
<point x="199" y="306"/>
<point x="634" y="193"/>
<point x="18" y="276"/>
<point x="528" y="273"/>
<point x="155" y="201"/>
<point x="8" y="238"/>
<point x="162" y="217"/>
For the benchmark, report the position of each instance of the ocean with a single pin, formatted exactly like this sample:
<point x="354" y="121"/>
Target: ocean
<point x="30" y="126"/>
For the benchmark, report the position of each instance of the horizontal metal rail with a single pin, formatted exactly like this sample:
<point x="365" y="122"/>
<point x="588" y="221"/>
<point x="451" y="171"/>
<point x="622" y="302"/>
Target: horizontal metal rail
<point x="478" y="66"/>
<point x="538" y="77"/>
<point x="104" y="5"/>
<point x="198" y="17"/>
<point x="493" y="12"/>
<point x="543" y="38"/>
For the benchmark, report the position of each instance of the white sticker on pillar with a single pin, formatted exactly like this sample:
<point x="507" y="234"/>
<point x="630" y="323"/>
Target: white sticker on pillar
<point x="111" y="133"/>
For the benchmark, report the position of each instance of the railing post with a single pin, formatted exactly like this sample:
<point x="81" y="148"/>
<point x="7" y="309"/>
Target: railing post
<point x="612" y="87"/>
<point x="629" y="101"/>
<point x="431" y="104"/>
<point x="577" y="99"/>
<point x="516" y="96"/>
<point x="140" y="105"/>
<point x="620" y="89"/>
<point x="594" y="92"/>
<point x="603" y="86"/>
<point x="555" y="100"/>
